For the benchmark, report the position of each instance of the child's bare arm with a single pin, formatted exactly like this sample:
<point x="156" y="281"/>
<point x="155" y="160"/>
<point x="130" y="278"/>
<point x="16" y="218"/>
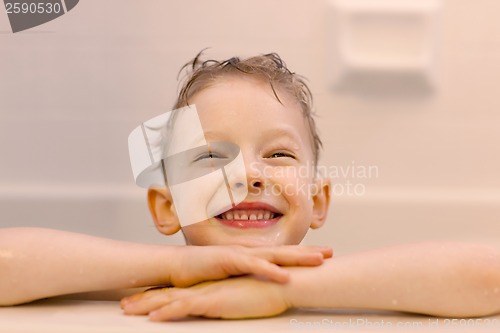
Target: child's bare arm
<point x="38" y="263"/>
<point x="441" y="279"/>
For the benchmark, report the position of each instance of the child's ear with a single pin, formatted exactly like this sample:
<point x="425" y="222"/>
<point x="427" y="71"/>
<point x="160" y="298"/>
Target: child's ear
<point x="321" y="200"/>
<point x="163" y="211"/>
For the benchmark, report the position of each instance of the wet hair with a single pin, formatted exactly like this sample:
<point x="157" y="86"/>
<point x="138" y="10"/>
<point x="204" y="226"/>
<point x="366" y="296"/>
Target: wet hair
<point x="200" y="74"/>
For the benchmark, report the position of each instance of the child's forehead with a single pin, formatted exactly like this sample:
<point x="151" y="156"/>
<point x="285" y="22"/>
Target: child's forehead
<point x="248" y="104"/>
<point x="285" y="133"/>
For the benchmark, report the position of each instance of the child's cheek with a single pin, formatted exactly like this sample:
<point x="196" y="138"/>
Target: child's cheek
<point x="291" y="181"/>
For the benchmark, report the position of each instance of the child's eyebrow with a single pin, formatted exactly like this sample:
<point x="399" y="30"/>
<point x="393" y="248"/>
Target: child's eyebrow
<point x="284" y="131"/>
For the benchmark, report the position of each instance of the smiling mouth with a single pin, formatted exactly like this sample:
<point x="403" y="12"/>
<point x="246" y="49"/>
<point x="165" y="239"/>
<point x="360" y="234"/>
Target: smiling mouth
<point x="248" y="215"/>
<point x="249" y="218"/>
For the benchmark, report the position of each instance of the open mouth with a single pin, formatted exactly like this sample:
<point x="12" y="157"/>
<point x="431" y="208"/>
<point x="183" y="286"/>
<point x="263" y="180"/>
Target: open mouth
<point x="250" y="215"/>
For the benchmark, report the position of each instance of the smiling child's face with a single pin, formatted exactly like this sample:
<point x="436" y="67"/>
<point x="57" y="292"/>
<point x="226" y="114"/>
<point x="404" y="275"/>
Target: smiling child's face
<point x="284" y="198"/>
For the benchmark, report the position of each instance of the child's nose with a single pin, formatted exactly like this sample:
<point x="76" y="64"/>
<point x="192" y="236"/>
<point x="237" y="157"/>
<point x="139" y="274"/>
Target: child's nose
<point x="253" y="184"/>
<point x="255" y="177"/>
<point x="251" y="178"/>
<point x="257" y="184"/>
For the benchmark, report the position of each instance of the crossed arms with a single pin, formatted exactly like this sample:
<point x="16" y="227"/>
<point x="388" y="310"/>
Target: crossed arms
<point x="440" y="279"/>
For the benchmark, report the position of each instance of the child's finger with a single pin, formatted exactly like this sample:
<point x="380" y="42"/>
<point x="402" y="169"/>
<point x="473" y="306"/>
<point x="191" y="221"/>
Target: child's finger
<point x="181" y="308"/>
<point x="285" y="252"/>
<point x="314" y="259"/>
<point x="257" y="266"/>
<point x="294" y="256"/>
<point x="265" y="264"/>
<point x="297" y="259"/>
<point x="174" y="310"/>
<point x="130" y="299"/>
<point x="326" y="251"/>
<point x="150" y="302"/>
<point x="139" y="296"/>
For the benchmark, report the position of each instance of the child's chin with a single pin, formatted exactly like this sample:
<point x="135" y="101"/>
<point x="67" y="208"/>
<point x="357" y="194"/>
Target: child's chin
<point x="213" y="232"/>
<point x="260" y="238"/>
<point x="251" y="242"/>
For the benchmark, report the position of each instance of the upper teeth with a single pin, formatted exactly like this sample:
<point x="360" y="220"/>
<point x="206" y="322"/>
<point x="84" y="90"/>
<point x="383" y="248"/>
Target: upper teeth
<point x="247" y="215"/>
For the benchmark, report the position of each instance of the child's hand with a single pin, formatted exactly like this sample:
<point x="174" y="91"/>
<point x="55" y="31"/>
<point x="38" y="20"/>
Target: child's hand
<point x="242" y="297"/>
<point x="195" y="264"/>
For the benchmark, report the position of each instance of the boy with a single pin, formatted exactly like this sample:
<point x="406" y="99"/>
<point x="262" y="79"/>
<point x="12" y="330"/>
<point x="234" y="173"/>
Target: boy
<point x="38" y="263"/>
<point x="265" y="110"/>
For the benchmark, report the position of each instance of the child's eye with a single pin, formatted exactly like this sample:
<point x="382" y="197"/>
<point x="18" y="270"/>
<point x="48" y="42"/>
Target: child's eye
<point x="208" y="156"/>
<point x="281" y="154"/>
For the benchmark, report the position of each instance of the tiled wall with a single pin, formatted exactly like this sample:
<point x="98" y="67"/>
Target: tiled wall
<point x="409" y="89"/>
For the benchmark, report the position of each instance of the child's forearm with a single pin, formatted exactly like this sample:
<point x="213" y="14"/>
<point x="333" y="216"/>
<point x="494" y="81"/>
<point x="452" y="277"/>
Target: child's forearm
<point x="38" y="263"/>
<point x="440" y="279"/>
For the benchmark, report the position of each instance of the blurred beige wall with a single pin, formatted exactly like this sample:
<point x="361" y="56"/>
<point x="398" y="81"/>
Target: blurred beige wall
<point x="71" y="91"/>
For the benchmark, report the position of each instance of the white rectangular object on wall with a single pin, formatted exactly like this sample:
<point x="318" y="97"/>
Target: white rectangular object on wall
<point x="380" y="39"/>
